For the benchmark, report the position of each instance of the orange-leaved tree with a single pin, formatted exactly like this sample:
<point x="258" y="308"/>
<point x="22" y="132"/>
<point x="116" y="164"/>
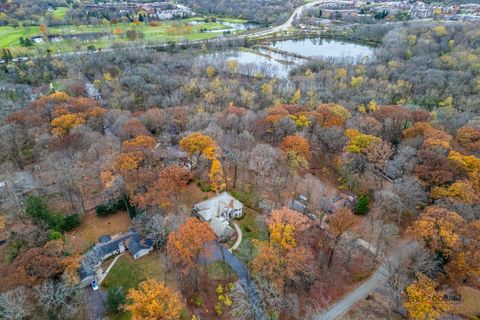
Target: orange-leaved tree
<point x="171" y="180"/>
<point x="340" y="222"/>
<point x="187" y="244"/>
<point x="153" y="300"/>
<point x="63" y="124"/>
<point x="297" y="151"/>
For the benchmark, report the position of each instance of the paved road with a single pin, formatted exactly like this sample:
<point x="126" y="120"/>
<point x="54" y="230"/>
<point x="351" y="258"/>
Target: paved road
<point x="217" y="252"/>
<point x="375" y="281"/>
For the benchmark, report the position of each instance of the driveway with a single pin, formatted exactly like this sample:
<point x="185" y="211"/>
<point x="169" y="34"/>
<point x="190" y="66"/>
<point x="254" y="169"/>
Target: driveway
<point x="217" y="252"/>
<point x="378" y="279"/>
<point x="95" y="304"/>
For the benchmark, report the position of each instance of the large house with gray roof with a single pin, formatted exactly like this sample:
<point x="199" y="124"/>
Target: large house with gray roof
<point x="218" y="211"/>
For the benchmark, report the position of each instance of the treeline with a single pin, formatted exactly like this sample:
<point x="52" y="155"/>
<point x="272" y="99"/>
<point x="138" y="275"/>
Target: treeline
<point x="265" y="11"/>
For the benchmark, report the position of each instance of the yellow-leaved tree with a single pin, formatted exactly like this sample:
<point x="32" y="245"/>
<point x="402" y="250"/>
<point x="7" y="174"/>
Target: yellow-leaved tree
<point x="217" y="179"/>
<point x="197" y="144"/>
<point x="62" y="124"/>
<point x="153" y="300"/>
<point x="423" y="301"/>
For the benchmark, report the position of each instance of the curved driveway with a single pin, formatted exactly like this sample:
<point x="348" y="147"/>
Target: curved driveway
<point x="217" y="252"/>
<point x="378" y="279"/>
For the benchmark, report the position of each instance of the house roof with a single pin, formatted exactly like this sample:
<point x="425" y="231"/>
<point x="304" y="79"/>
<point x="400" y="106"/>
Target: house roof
<point x="220" y="226"/>
<point x="212" y="207"/>
<point x="105" y="248"/>
<point x="136" y="243"/>
<point x="104" y="239"/>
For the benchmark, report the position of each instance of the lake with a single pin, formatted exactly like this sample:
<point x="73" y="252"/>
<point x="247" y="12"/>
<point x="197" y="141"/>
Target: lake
<point x="276" y="64"/>
<point x="325" y="48"/>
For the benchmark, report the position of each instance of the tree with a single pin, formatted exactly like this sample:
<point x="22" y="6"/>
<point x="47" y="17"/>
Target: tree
<point x="296" y="144"/>
<point x="153" y="300"/>
<point x="115" y="299"/>
<point x="171" y="180"/>
<point x="340" y="222"/>
<point x="36" y="265"/>
<point x="423" y="301"/>
<point x="469" y="138"/>
<point x="151" y="227"/>
<point x="361" y="206"/>
<point x="58" y="299"/>
<point x="197" y="144"/>
<point x="187" y="244"/>
<point x="297" y="152"/>
<point x="15" y="304"/>
<point x="217" y="179"/>
<point x="63" y="124"/>
<point x="439" y="228"/>
<point x="285" y="225"/>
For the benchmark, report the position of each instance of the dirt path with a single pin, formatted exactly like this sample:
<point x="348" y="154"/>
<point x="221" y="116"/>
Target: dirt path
<point x="375" y="281"/>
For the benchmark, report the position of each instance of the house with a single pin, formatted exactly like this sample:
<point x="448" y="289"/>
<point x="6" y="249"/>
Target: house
<point x="108" y="246"/>
<point x="219" y="211"/>
<point x="139" y="247"/>
<point x="339" y="201"/>
<point x="299" y="204"/>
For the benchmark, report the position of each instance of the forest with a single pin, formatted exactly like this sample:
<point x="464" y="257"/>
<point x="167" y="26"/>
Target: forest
<point x="144" y="135"/>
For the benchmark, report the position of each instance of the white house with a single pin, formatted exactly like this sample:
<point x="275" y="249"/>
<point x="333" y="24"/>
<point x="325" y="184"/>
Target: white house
<point x="219" y="211"/>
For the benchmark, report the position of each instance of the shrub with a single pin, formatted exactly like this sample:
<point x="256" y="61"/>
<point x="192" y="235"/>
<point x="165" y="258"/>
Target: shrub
<point x="361" y="207"/>
<point x="71" y="222"/>
<point x="113" y="206"/>
<point x="54" y="235"/>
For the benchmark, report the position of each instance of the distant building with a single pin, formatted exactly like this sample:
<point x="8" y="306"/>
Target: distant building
<point x="219" y="211"/>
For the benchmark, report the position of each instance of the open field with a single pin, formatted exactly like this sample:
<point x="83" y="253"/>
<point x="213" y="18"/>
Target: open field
<point x="60" y="12"/>
<point x="93" y="227"/>
<point x="112" y="34"/>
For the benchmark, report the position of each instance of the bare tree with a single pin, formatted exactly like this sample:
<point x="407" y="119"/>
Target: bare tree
<point x="56" y="298"/>
<point x="15" y="304"/>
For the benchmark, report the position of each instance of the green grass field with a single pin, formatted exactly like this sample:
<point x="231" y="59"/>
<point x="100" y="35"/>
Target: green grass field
<point x="166" y="31"/>
<point x="60" y="12"/>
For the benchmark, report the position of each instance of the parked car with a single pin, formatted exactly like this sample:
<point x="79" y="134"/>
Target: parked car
<point x="94" y="285"/>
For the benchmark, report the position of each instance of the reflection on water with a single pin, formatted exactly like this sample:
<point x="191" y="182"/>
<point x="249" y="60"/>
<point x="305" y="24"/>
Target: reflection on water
<point x="275" y="64"/>
<point x="325" y="48"/>
<point x="251" y="63"/>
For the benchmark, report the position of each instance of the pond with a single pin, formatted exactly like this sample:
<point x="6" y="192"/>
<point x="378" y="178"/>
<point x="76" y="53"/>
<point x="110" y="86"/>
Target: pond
<point x="231" y="26"/>
<point x="325" y="48"/>
<point x="252" y="63"/>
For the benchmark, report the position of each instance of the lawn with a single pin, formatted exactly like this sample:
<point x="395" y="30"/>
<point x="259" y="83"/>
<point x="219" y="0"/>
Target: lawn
<point x="128" y="273"/>
<point x="60" y="12"/>
<point x="166" y="31"/>
<point x="219" y="270"/>
<point x="92" y="227"/>
<point x="253" y="227"/>
<point x="469" y="306"/>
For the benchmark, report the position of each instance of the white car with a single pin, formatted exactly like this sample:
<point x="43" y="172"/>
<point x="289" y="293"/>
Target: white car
<point x="94" y="285"/>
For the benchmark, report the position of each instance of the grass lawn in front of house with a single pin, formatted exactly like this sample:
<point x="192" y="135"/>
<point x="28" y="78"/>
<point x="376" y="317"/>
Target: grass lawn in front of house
<point x="128" y="272"/>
